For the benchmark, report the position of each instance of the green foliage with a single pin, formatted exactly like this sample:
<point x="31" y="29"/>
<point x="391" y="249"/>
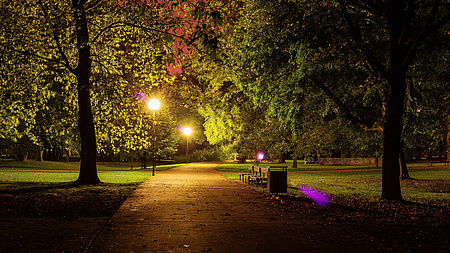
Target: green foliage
<point x="214" y="153"/>
<point x="131" y="44"/>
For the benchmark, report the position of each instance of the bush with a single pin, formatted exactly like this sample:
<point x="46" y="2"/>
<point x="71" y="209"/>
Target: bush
<point x="204" y="155"/>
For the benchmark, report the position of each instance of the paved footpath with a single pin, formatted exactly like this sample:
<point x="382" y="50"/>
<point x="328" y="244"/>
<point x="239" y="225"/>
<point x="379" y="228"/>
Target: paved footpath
<point x="193" y="208"/>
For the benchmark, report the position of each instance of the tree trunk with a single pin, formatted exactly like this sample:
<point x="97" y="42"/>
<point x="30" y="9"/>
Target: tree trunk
<point x="39" y="152"/>
<point x="144" y="159"/>
<point x="281" y="159"/>
<point x="67" y="155"/>
<point x="402" y="161"/>
<point x="88" y="154"/>
<point x="132" y="158"/>
<point x="447" y="143"/>
<point x="393" y="126"/>
<point x="295" y="162"/>
<point x="392" y="132"/>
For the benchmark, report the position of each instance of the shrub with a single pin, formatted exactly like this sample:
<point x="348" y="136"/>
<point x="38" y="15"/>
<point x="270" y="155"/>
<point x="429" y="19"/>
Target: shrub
<point x="204" y="155"/>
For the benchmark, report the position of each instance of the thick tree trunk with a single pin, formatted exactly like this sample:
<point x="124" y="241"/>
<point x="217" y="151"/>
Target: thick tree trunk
<point x="393" y="126"/>
<point x="391" y="144"/>
<point x="295" y="163"/>
<point x="88" y="154"/>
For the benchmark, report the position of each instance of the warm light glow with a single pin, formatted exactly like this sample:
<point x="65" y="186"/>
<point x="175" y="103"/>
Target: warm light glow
<point x="154" y="104"/>
<point x="187" y="131"/>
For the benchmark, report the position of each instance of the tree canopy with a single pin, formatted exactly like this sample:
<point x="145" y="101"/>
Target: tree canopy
<point x="323" y="78"/>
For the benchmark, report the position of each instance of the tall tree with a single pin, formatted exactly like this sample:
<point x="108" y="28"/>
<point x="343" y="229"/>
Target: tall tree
<point x="356" y="52"/>
<point x="408" y="25"/>
<point x="70" y="36"/>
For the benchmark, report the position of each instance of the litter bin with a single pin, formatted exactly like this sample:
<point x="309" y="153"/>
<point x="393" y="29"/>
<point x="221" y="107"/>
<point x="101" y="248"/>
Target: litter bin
<point x="277" y="181"/>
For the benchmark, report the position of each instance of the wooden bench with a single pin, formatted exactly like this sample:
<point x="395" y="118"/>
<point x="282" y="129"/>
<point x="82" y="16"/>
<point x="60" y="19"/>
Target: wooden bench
<point x="243" y="175"/>
<point x="258" y="175"/>
<point x="253" y="176"/>
<point x="430" y="161"/>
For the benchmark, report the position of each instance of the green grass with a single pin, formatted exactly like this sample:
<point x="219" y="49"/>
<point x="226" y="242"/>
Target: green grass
<point x="33" y="165"/>
<point x="49" y="165"/>
<point x="119" y="177"/>
<point x="301" y="166"/>
<point x="58" y="172"/>
<point x="431" y="187"/>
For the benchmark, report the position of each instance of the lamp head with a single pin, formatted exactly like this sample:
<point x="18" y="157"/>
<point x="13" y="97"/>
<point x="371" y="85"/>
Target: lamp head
<point x="187" y="131"/>
<point x="154" y="104"/>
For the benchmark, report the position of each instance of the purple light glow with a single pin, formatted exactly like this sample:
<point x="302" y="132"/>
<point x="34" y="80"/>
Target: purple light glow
<point x="320" y="198"/>
<point x="139" y="96"/>
<point x="260" y="156"/>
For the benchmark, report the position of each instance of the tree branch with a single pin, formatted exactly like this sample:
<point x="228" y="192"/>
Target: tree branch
<point x="344" y="109"/>
<point x="28" y="53"/>
<point x="93" y="5"/>
<point x="357" y="37"/>
<point x="56" y="39"/>
<point x="368" y="6"/>
<point x="427" y="31"/>
<point x="409" y="19"/>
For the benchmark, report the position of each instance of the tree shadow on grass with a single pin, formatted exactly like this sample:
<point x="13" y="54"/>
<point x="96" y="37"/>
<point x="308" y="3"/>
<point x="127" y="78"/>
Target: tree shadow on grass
<point x="30" y="187"/>
<point x="34" y="187"/>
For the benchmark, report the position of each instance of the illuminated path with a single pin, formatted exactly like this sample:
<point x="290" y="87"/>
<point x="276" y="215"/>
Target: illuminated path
<point x="194" y="209"/>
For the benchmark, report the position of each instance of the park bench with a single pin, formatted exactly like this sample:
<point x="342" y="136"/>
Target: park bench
<point x="431" y="161"/>
<point x="243" y="175"/>
<point x="258" y="175"/>
<point x="254" y="175"/>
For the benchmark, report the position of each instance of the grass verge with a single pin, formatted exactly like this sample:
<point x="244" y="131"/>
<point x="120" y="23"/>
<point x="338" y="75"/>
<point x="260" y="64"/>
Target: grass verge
<point x="45" y="189"/>
<point x="356" y="196"/>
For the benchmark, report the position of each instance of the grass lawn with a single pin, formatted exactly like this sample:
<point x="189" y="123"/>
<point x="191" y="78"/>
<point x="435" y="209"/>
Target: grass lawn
<point x="431" y="187"/>
<point x="7" y="164"/>
<point x="355" y="195"/>
<point x="45" y="188"/>
<point x="301" y="166"/>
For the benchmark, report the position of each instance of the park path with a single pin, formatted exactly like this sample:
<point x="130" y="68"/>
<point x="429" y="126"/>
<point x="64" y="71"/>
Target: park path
<point x="193" y="208"/>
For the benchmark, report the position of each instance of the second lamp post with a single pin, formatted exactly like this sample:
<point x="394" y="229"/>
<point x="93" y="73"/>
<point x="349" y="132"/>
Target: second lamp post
<point x="154" y="105"/>
<point x="187" y="131"/>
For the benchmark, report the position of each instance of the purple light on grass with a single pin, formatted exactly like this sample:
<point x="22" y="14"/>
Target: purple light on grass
<point x="320" y="198"/>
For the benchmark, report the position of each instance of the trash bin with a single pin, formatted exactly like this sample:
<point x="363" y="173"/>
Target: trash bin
<point x="277" y="181"/>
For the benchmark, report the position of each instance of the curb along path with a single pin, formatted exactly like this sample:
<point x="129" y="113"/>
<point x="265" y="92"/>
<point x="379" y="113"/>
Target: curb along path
<point x="193" y="208"/>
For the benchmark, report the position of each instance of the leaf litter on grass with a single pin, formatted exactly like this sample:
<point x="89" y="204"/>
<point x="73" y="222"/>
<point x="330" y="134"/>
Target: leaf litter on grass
<point x="64" y="200"/>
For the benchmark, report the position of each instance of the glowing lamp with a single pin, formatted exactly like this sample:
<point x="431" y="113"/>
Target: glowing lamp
<point x="260" y="156"/>
<point x="154" y="104"/>
<point x="187" y="131"/>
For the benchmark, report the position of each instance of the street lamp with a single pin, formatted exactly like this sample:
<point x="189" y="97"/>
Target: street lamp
<point x="187" y="131"/>
<point x="154" y="105"/>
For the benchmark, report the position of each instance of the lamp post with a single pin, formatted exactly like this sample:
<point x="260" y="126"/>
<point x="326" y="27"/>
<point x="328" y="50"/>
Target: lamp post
<point x="187" y="131"/>
<point x="154" y="105"/>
